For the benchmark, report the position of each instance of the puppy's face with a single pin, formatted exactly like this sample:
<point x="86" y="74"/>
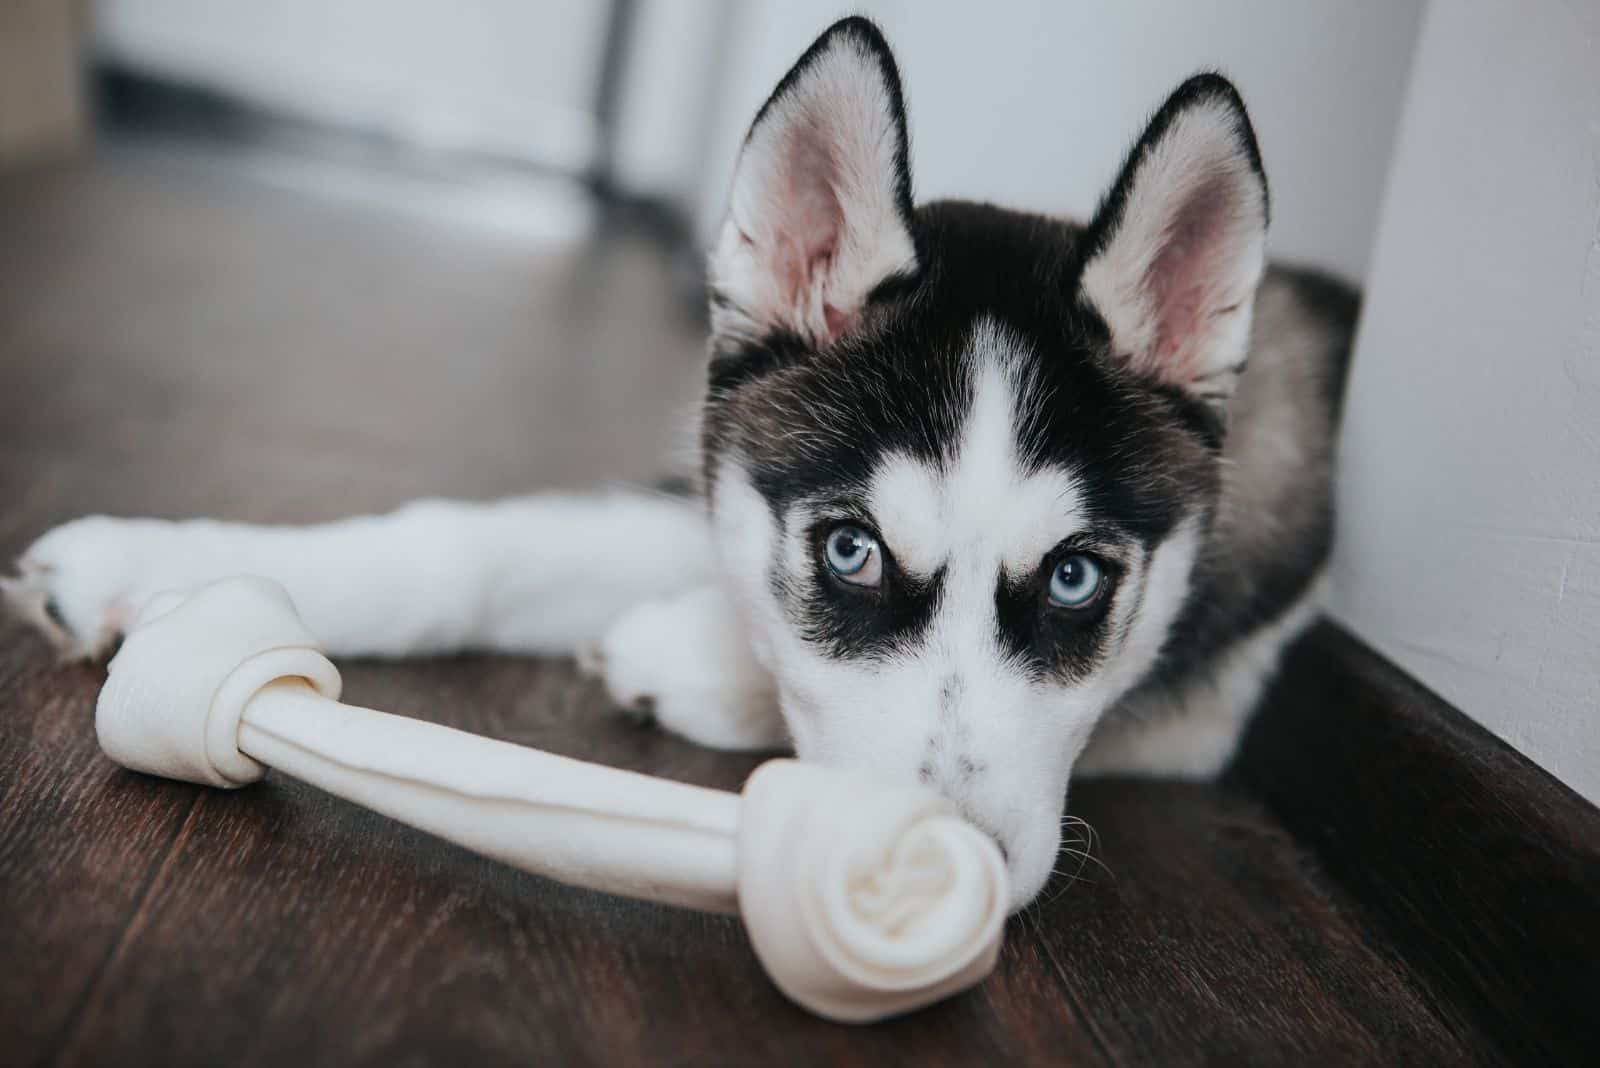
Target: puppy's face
<point x="961" y="460"/>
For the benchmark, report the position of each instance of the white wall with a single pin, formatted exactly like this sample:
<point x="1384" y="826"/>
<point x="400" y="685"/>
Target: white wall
<point x="672" y="73"/>
<point x="1469" y="546"/>
<point x="1034" y="104"/>
<point x="511" y="77"/>
<point x="1026" y="103"/>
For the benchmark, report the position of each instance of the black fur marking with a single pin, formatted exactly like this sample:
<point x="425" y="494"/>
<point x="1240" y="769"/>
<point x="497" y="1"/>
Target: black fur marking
<point x="1199" y="412"/>
<point x="852" y="622"/>
<point x="730" y="369"/>
<point x="1054" y="642"/>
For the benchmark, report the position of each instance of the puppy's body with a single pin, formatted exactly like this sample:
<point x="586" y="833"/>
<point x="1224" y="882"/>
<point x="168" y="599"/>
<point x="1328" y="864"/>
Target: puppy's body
<point x="1257" y="581"/>
<point x="989" y="494"/>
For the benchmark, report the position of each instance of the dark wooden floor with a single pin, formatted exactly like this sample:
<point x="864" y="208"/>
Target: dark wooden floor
<point x="179" y="336"/>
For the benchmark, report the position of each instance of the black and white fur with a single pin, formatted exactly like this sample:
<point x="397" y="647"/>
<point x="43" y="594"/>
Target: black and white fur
<point x="980" y="392"/>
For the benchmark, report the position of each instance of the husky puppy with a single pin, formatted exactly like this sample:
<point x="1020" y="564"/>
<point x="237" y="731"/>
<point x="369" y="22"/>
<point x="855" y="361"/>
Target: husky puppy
<point x="987" y="496"/>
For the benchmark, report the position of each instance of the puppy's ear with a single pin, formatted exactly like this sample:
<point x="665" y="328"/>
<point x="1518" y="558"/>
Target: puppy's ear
<point x="821" y="205"/>
<point x="1176" y="249"/>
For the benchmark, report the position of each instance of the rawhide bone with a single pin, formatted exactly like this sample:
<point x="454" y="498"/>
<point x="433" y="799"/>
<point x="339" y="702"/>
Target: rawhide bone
<point x="862" y="900"/>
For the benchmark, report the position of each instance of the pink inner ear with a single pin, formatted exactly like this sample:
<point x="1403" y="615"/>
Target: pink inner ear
<point x="1188" y="280"/>
<point x="838" y="321"/>
<point x="809" y="219"/>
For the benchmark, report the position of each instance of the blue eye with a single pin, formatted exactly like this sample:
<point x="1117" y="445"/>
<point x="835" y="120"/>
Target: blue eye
<point x="1077" y="581"/>
<point x="854" y="556"/>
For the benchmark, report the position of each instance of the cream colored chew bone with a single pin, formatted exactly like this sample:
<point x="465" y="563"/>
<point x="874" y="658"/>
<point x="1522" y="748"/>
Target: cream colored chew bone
<point x="862" y="900"/>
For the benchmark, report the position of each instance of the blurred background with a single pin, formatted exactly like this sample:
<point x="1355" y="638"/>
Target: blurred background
<point x="432" y="247"/>
<point x="646" y="100"/>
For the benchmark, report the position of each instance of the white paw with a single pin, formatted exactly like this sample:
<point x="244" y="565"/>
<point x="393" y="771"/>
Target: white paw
<point x="685" y="661"/>
<point x="84" y="582"/>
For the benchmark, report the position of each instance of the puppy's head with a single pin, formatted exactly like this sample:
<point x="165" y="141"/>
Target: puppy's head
<point x="961" y="460"/>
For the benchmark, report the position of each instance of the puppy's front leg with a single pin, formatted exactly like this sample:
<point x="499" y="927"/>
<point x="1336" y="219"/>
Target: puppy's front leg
<point x="536" y="574"/>
<point x="686" y="660"/>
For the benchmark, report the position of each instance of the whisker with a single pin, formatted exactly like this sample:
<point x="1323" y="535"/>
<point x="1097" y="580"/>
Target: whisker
<point x="1087" y="858"/>
<point x="1078" y="831"/>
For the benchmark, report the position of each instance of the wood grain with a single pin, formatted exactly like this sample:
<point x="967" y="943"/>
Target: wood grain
<point x="1211" y="939"/>
<point x="1481" y="870"/>
<point x="179" y="334"/>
